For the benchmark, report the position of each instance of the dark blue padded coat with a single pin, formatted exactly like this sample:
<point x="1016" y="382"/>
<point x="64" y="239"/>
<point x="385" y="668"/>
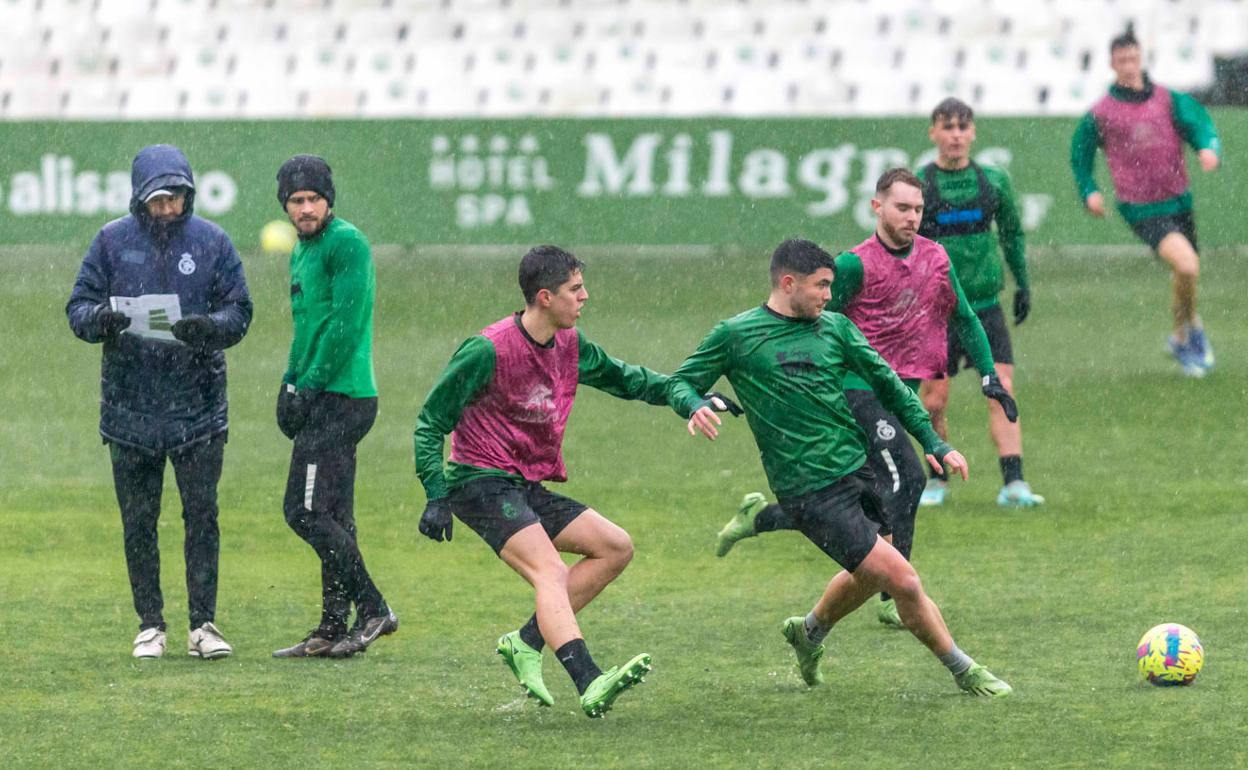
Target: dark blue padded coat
<point x="155" y="395"/>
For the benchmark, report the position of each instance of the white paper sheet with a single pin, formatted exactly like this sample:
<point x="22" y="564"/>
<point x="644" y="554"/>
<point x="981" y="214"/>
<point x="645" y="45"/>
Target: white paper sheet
<point x="151" y="315"/>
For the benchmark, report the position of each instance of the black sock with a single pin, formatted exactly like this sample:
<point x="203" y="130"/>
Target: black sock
<point x="772" y="518"/>
<point x="941" y="474"/>
<point x="581" y="667"/>
<point x="1012" y="468"/>
<point x="531" y="635"/>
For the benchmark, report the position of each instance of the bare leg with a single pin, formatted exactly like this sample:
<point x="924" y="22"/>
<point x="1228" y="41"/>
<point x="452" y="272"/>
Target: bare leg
<point x="607" y="549"/>
<point x="530" y="553"/>
<point x="935" y="396"/>
<point x="1177" y="252"/>
<point x="1008" y="436"/>
<point x="885" y="569"/>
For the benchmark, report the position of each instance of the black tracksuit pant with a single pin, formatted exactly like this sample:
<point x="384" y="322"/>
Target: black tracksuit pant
<point x="138" y="478"/>
<point x="320" y="503"/>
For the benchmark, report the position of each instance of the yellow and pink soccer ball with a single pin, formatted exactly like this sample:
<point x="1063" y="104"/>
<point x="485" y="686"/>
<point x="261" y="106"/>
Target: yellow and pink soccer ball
<point x="1170" y="655"/>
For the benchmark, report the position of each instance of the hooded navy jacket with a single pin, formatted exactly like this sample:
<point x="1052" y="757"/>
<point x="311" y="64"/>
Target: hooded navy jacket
<point x="158" y="395"/>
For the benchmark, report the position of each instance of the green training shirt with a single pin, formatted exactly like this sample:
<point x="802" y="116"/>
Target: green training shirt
<point x="789" y="375"/>
<point x="977" y="256"/>
<point x="848" y="282"/>
<point x="470" y="371"/>
<point x="332" y="283"/>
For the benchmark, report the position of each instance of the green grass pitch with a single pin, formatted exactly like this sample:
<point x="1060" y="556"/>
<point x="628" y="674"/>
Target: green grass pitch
<point x="1145" y="474"/>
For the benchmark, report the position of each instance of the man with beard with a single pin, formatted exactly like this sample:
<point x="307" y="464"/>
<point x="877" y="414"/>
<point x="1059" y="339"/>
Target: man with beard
<point x="900" y="290"/>
<point x="162" y="385"/>
<point x="327" y="403"/>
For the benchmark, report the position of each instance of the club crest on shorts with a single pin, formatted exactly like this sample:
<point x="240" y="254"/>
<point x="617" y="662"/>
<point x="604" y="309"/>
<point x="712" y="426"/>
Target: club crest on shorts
<point x="885" y="431"/>
<point x="186" y="265"/>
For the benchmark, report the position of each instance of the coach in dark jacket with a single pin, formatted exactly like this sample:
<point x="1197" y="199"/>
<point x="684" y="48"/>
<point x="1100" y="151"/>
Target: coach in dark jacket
<point x="165" y="398"/>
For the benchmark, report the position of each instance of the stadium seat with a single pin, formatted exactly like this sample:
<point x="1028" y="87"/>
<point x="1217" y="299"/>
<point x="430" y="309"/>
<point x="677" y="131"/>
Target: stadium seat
<point x="26" y="100"/>
<point x="151" y="99"/>
<point x="599" y="57"/>
<point x="269" y="99"/>
<point x="92" y="98"/>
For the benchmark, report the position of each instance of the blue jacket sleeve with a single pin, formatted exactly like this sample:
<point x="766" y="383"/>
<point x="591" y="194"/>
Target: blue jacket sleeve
<point x="230" y="303"/>
<point x="90" y="291"/>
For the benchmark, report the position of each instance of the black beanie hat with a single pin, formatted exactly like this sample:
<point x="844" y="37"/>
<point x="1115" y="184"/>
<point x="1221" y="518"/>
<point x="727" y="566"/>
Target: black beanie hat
<point x="305" y="172"/>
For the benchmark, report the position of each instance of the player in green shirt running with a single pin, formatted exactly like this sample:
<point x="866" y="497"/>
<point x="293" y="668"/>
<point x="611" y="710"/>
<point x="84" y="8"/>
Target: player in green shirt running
<point x="788" y="361"/>
<point x="962" y="201"/>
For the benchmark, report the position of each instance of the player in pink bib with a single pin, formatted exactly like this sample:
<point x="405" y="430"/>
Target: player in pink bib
<point x="505" y="398"/>
<point x="1142" y="126"/>
<point x="900" y="290"/>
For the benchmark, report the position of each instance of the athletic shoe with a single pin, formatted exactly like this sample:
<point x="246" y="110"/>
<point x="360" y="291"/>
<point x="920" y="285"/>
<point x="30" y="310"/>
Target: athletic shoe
<point x="934" y="493"/>
<point x="149" y="644"/>
<point x="741" y="525"/>
<point x="312" y="646"/>
<point x="978" y="680"/>
<point x="1202" y="351"/>
<point x="526" y="663"/>
<point x="887" y="614"/>
<point x="602" y="692"/>
<point x="808" y="655"/>
<point x="1191" y="358"/>
<point x="1018" y="494"/>
<point x="206" y="642"/>
<point x="359" y="639"/>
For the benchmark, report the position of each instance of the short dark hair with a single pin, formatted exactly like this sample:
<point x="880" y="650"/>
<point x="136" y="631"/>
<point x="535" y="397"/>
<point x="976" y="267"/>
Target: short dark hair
<point x="798" y="257"/>
<point x="1125" y="40"/>
<point x="546" y="267"/>
<point x="893" y="176"/>
<point x="955" y="109"/>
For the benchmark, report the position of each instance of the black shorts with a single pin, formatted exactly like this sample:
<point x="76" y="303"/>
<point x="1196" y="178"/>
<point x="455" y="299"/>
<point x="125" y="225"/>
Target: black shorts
<point x="993" y="321"/>
<point x="896" y="468"/>
<point x="496" y="508"/>
<point x="1154" y="229"/>
<point x="842" y="519"/>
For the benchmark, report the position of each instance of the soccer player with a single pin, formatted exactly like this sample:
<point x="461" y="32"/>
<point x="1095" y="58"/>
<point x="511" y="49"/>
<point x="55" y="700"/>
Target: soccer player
<point x="327" y="403"/>
<point x="505" y="397"/>
<point x="900" y="290"/>
<point x="164" y="400"/>
<point x="961" y="201"/>
<point x="1142" y="127"/>
<point x="789" y="363"/>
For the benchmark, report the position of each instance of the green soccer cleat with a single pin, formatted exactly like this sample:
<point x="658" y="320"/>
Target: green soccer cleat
<point x="808" y="655"/>
<point x="934" y="493"/>
<point x="741" y="525"/>
<point x="1018" y="494"/>
<point x="526" y="663"/>
<point x="598" y="698"/>
<point x="888" y="615"/>
<point x="978" y="680"/>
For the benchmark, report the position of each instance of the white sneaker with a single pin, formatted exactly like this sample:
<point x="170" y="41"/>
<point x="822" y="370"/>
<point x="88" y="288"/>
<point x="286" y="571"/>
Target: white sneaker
<point x="150" y="643"/>
<point x="206" y="642"/>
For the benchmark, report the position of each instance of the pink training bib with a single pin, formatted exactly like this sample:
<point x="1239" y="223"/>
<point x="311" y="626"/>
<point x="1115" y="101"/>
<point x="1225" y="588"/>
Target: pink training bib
<point x="904" y="305"/>
<point x="517" y="423"/>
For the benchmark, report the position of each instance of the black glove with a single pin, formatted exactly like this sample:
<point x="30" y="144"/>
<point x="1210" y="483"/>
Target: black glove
<point x="290" y="413"/>
<point x="1022" y="305"/>
<point x="112" y="322"/>
<point x="436" y="522"/>
<point x="995" y="390"/>
<point x="721" y="403"/>
<point x="194" y="329"/>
